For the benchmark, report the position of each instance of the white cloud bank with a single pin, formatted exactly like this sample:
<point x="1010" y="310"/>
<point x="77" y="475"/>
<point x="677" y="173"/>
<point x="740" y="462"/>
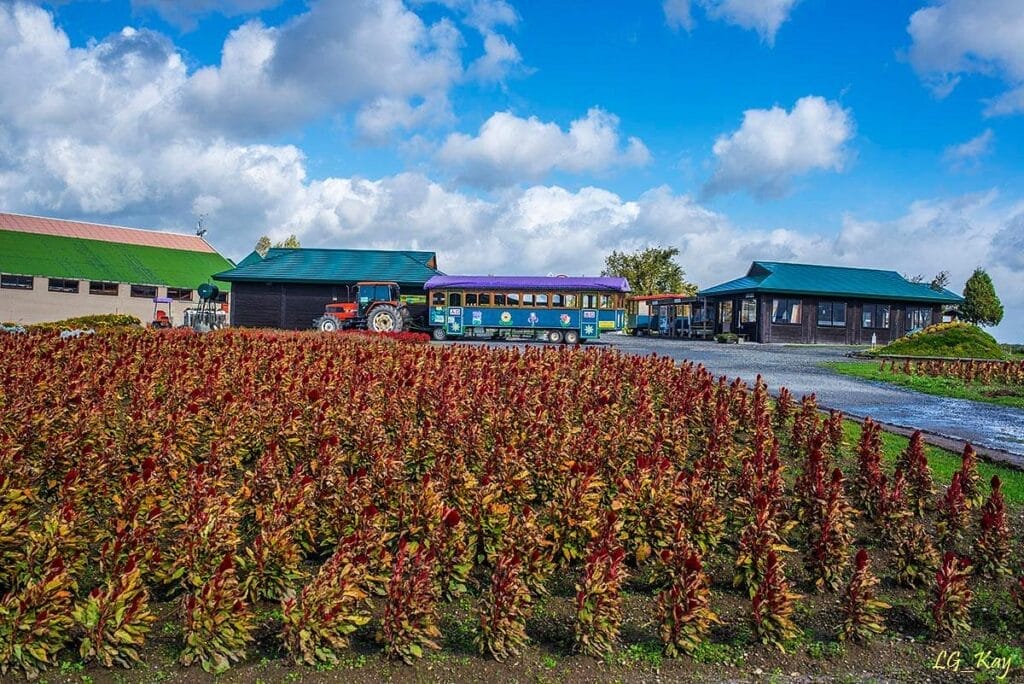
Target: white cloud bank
<point x="96" y="134"/>
<point x="508" y="149"/>
<point x="763" y="16"/>
<point x="955" y="37"/>
<point x="772" y="146"/>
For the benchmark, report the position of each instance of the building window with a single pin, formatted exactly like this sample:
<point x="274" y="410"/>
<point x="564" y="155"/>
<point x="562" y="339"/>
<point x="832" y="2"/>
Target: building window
<point x="143" y="291"/>
<point x="180" y="294"/>
<point x="786" y="311"/>
<point x="101" y="288"/>
<point x="918" y="318"/>
<point x="875" y="316"/>
<point x="15" y="282"/>
<point x="63" y="285"/>
<point x="831" y="314"/>
<point x="748" y="311"/>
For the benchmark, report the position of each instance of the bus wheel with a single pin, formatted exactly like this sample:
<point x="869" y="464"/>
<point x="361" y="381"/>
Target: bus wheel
<point x="439" y="334"/>
<point x="555" y="336"/>
<point x="572" y="337"/>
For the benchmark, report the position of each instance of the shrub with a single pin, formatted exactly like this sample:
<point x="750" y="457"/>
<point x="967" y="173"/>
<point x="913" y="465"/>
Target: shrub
<point x="992" y="547"/>
<point x="772" y="605"/>
<point x="916" y="556"/>
<point x="868" y="484"/>
<point x="763" y="535"/>
<point x="954" y="515"/>
<point x="96" y="322"/>
<point x="35" y="621"/>
<point x="16" y="513"/>
<point x="970" y="480"/>
<point x="272" y="561"/>
<point x="598" y="598"/>
<point x="893" y="509"/>
<point x="504" y="608"/>
<point x="684" y="606"/>
<point x="317" y="624"/>
<point x="863" y="614"/>
<point x="951" y="606"/>
<point x="218" y="623"/>
<point x="920" y="485"/>
<point x="955" y="340"/>
<point x="116" y="618"/>
<point x="829" y="533"/>
<point x="409" y="624"/>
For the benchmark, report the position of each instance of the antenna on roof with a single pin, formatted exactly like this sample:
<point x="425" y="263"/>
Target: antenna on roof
<point x="200" y="231"/>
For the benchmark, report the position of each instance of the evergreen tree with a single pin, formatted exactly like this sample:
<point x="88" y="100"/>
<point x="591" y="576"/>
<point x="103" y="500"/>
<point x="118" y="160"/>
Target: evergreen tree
<point x="981" y="305"/>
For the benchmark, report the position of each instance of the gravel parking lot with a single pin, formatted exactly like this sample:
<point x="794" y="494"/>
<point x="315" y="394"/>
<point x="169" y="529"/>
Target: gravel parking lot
<point x="800" y="369"/>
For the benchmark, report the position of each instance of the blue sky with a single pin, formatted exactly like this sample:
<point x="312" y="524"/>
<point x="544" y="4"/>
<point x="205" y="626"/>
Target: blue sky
<point x="534" y="136"/>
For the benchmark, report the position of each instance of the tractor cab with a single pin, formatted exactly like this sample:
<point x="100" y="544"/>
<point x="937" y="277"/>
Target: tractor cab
<point x="377" y="307"/>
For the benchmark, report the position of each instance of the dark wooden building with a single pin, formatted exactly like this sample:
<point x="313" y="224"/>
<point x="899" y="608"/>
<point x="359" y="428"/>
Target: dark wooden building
<point x="803" y="303"/>
<point x="289" y="287"/>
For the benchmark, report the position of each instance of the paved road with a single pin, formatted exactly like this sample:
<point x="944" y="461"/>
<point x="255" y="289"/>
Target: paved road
<point x="799" y="369"/>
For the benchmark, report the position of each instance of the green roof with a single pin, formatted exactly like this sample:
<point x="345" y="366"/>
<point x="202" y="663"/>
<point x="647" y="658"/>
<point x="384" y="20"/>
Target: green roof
<point x="831" y="281"/>
<point x="304" y="265"/>
<point x="53" y="256"/>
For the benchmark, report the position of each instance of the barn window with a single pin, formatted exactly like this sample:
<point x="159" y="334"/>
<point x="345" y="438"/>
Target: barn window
<point x="180" y="294"/>
<point x="15" y="282"/>
<point x="143" y="291"/>
<point x="832" y="314"/>
<point x="97" y="287"/>
<point x="875" y="316"/>
<point x="62" y="285"/>
<point x="786" y="311"/>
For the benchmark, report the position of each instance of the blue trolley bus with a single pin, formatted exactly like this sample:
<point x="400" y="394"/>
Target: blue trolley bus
<point x="553" y="309"/>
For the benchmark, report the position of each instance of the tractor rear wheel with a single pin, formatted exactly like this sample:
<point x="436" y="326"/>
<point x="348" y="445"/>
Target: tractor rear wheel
<point x="385" y="319"/>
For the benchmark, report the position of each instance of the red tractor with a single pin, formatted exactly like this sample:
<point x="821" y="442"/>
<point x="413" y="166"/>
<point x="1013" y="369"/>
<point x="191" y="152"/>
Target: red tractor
<point x="377" y="308"/>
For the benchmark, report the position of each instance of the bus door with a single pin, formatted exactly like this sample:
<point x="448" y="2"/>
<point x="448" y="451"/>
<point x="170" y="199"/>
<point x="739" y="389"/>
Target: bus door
<point x="589" y="328"/>
<point x="453" y="325"/>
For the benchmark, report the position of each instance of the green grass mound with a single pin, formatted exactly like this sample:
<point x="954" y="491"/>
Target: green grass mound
<point x="97" y="322"/>
<point x="951" y="340"/>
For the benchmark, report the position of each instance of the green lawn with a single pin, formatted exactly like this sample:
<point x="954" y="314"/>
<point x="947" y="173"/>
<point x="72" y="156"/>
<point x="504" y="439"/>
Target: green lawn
<point x="944" y="463"/>
<point x="1004" y="395"/>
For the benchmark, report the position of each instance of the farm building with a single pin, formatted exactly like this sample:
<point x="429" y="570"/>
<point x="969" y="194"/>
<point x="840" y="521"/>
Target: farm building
<point x="803" y="303"/>
<point x="52" y="269"/>
<point x="289" y="287"/>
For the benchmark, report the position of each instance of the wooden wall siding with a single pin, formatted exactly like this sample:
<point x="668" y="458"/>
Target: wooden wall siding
<point x="808" y="332"/>
<point x="256" y="305"/>
<point x="291" y="306"/>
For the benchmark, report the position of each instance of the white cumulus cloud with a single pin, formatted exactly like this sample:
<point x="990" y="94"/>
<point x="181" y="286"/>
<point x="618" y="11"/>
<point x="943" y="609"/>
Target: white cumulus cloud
<point x="772" y="146"/>
<point x="968" y="154"/>
<point x="509" y="149"/>
<point x="763" y="16"/>
<point x="955" y="37"/>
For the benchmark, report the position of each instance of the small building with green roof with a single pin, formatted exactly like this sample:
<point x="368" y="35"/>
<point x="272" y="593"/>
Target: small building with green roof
<point x="288" y="287"/>
<point x="812" y="304"/>
<point x="52" y="269"/>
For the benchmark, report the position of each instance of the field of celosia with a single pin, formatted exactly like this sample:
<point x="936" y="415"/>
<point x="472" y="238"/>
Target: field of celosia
<point x="258" y="500"/>
<point x="968" y="371"/>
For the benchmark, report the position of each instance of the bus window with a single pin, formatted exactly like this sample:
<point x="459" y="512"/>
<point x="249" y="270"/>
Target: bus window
<point x="557" y="300"/>
<point x="606" y="301"/>
<point x="454" y="299"/>
<point x="499" y="299"/>
<point x="528" y="299"/>
<point x="570" y="301"/>
<point x="437" y="298"/>
<point x="513" y="299"/>
<point x="471" y="299"/>
<point x="588" y="301"/>
<point x="485" y="299"/>
<point x="542" y="299"/>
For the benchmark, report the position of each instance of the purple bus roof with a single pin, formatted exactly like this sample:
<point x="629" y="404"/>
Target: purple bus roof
<point x="603" y="284"/>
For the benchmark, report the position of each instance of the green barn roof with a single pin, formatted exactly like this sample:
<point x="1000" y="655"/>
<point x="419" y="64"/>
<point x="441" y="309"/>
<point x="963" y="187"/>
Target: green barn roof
<point x="830" y="281"/>
<point x="304" y="265"/>
<point x="54" y="256"/>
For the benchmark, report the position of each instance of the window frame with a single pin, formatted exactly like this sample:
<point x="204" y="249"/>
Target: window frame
<point x="875" y="308"/>
<point x="179" y="290"/>
<point x="743" y="311"/>
<point x="777" y="303"/>
<point x="503" y="299"/>
<point x="438" y="298"/>
<point x="104" y="288"/>
<point x="133" y="291"/>
<point x="475" y="297"/>
<point x="588" y="298"/>
<point x="17" y="282"/>
<point x="63" y="287"/>
<point x="832" y="308"/>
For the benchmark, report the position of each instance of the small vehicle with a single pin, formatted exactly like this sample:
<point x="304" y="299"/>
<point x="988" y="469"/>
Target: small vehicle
<point x="162" y="317"/>
<point x="378" y="306"/>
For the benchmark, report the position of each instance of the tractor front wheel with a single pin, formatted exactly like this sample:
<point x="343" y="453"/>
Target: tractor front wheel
<point x="328" y="324"/>
<point x="385" y="319"/>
